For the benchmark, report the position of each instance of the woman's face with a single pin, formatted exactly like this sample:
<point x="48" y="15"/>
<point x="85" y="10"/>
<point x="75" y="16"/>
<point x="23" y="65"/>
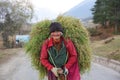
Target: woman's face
<point x="56" y="35"/>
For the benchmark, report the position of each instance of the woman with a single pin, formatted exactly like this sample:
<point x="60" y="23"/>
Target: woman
<point x="59" y="55"/>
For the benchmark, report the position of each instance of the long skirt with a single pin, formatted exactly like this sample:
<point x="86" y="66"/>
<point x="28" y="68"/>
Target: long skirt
<point x="51" y="76"/>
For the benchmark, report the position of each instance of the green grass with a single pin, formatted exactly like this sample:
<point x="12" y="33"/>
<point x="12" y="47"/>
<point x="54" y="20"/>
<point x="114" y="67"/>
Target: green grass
<point x="110" y="50"/>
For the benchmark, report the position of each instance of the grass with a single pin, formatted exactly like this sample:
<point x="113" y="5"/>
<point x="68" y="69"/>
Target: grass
<point x="110" y="50"/>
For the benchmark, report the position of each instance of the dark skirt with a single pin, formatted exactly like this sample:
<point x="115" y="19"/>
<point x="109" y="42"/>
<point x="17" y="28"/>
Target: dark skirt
<point x="51" y="76"/>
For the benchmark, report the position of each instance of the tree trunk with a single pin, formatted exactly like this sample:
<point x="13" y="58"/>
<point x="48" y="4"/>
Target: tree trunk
<point x="6" y="42"/>
<point x="116" y="28"/>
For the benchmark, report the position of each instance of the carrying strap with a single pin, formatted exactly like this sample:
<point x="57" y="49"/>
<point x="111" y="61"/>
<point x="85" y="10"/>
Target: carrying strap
<point x="51" y="58"/>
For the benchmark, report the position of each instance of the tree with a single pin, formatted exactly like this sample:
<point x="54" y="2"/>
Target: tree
<point x="107" y="11"/>
<point x="13" y="14"/>
<point x="115" y="14"/>
<point x="99" y="12"/>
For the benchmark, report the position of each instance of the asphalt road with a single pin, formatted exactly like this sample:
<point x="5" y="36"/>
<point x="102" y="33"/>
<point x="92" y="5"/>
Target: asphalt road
<point x="19" y="68"/>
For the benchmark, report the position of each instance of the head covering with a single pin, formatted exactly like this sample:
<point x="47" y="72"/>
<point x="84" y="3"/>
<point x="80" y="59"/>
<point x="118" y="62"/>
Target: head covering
<point x="55" y="26"/>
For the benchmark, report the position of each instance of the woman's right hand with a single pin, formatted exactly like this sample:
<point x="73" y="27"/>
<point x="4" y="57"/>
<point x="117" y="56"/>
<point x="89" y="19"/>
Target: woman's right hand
<point x="54" y="70"/>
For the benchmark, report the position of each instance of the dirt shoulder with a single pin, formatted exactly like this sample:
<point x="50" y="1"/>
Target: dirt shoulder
<point x="11" y="62"/>
<point x="7" y="54"/>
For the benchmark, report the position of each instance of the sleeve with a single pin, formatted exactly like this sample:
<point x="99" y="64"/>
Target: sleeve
<point x="72" y="58"/>
<point x="44" y="57"/>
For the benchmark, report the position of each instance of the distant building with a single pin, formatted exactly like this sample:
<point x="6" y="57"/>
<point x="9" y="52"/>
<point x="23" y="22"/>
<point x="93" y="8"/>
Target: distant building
<point x="22" y="38"/>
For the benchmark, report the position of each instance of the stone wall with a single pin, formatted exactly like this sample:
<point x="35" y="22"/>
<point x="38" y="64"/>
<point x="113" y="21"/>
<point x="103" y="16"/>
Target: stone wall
<point x="110" y="63"/>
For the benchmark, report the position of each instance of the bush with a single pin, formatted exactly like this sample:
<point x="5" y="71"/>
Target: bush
<point x="94" y="32"/>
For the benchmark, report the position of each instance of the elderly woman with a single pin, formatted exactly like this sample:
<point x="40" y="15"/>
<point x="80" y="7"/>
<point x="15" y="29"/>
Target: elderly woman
<point x="59" y="55"/>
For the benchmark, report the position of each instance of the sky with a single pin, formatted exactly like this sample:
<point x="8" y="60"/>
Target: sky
<point x="49" y="9"/>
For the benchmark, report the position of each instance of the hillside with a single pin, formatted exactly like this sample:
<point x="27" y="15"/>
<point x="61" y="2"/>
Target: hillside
<point x="82" y="10"/>
<point x="109" y="50"/>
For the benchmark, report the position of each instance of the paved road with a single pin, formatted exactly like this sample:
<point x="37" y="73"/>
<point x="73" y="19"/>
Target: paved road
<point x="19" y="68"/>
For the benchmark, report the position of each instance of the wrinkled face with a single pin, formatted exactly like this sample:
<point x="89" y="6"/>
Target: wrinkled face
<point x="56" y="35"/>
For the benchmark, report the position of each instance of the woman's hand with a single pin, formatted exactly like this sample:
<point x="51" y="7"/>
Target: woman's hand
<point x="60" y="71"/>
<point x="54" y="70"/>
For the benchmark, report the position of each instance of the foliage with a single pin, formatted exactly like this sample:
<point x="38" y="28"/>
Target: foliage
<point x="38" y="35"/>
<point x="93" y="31"/>
<point x="107" y="12"/>
<point x="79" y="35"/>
<point x="14" y="13"/>
<point x="98" y="12"/>
<point x="73" y="29"/>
